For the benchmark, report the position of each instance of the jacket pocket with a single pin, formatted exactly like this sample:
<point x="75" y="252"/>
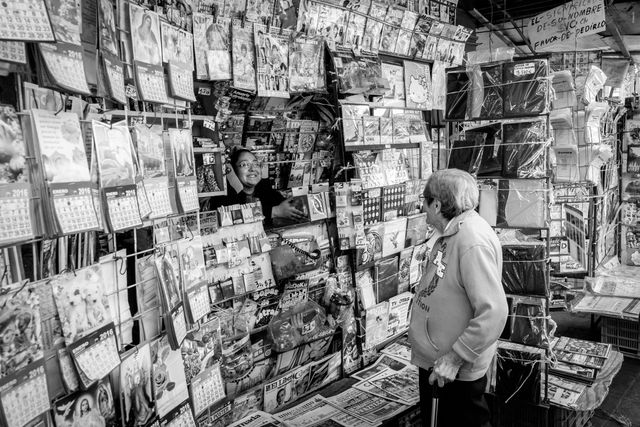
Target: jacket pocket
<point x="426" y="330"/>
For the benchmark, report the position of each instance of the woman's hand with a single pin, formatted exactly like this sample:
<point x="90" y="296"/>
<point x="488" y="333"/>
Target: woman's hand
<point x="288" y="211"/>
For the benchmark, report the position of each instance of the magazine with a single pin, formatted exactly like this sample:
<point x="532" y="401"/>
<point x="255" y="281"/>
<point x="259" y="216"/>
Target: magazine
<point x="391" y="29"/>
<point x="307" y="69"/>
<point x="376" y="322"/>
<point x="574" y="345"/>
<point x="371" y="37"/>
<point x="574" y="372"/>
<point x="407" y="25"/>
<point x="272" y="58"/>
<point x="243" y="55"/>
<point x="564" y="393"/>
<point x="247" y="403"/>
<point x="399" y="313"/>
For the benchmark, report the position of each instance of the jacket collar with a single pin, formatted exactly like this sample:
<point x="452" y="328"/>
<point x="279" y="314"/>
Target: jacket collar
<point x="456" y="222"/>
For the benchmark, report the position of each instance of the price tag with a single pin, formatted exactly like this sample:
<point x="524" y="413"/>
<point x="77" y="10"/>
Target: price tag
<point x="209" y="124"/>
<point x="131" y="91"/>
<point x="205" y="91"/>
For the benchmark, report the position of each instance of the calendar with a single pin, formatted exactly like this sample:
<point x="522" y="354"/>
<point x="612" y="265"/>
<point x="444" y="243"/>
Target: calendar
<point x="65" y="66"/>
<point x="122" y="208"/>
<point x="181" y="82"/>
<point x="158" y="194"/>
<point x="26" y="20"/>
<point x="24" y="395"/>
<point x="207" y="388"/>
<point x="151" y="87"/>
<point x="73" y="206"/>
<point x="115" y="77"/>
<point x="96" y="355"/>
<point x="198" y="300"/>
<point x="181" y="416"/>
<point x="143" y="200"/>
<point x="179" y="324"/>
<point x="13" y="51"/>
<point x="15" y="215"/>
<point x="188" y="192"/>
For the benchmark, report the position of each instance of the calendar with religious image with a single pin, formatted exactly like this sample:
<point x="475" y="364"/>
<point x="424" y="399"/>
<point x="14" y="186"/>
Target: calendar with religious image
<point x="135" y="385"/>
<point x="92" y="407"/>
<point x="184" y="168"/>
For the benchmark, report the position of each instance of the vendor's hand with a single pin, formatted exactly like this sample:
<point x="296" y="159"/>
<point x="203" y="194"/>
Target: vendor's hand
<point x="446" y="369"/>
<point x="288" y="211"/>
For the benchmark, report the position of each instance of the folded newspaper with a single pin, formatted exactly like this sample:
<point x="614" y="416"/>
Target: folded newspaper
<point x="366" y="406"/>
<point x="316" y="412"/>
<point x="258" y="419"/>
<point x="398" y="386"/>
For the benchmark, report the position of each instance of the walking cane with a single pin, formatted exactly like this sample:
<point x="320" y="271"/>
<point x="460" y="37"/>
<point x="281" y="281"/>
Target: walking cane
<point x="434" y="404"/>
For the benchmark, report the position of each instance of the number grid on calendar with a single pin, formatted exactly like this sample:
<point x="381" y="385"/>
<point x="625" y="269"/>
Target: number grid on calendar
<point x="75" y="213"/>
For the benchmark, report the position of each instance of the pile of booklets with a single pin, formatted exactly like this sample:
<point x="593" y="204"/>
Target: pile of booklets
<point x="577" y="363"/>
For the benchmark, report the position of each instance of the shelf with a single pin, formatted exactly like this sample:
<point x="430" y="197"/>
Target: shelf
<point x="351" y="148"/>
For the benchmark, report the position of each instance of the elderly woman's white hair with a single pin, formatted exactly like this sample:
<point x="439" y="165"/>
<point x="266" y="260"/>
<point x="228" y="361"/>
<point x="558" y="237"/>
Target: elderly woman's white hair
<point x="456" y="190"/>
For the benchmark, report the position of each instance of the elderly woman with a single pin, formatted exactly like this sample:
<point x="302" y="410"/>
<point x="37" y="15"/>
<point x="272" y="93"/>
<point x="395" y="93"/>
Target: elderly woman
<point x="254" y="188"/>
<point x="459" y="308"/>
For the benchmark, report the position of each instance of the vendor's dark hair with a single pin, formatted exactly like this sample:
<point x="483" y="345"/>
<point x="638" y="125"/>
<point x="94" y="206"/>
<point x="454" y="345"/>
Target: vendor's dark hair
<point x="235" y="155"/>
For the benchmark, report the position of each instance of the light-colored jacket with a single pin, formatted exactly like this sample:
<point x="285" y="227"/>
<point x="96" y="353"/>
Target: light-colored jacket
<point x="459" y="303"/>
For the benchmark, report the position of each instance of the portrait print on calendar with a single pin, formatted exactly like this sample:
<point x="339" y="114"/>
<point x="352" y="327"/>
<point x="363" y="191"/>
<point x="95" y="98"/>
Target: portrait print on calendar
<point x="182" y="152"/>
<point x="107" y="38"/>
<point x="177" y="45"/>
<point x="150" y="149"/>
<point x="145" y="35"/>
<point x="218" y="44"/>
<point x="93" y="407"/>
<point x="12" y="148"/>
<point x="65" y="20"/>
<point x="115" y="159"/>
<point x="81" y="302"/>
<point x="62" y="148"/>
<point x="135" y="386"/>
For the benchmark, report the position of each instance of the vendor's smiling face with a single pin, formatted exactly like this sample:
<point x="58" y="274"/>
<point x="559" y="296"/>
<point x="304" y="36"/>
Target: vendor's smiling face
<point x="247" y="169"/>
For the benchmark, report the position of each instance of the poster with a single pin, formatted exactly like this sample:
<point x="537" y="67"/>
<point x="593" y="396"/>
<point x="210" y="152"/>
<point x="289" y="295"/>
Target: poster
<point x="65" y="19"/>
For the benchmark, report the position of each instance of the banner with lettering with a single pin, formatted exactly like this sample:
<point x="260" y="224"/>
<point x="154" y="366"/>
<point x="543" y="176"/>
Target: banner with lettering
<point x="566" y="23"/>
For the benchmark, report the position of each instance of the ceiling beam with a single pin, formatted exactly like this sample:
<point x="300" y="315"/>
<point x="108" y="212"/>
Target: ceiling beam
<point x="484" y="21"/>
<point x="518" y="29"/>
<point x="613" y="28"/>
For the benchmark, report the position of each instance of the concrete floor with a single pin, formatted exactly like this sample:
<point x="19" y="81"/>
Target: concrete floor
<point x="622" y="405"/>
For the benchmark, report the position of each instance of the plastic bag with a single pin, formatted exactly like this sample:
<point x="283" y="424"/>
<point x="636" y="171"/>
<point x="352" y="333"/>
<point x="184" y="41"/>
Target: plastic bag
<point x="524" y="267"/>
<point x="296" y="326"/>
<point x="526" y="88"/>
<point x="524" y="148"/>
<point x="295" y="255"/>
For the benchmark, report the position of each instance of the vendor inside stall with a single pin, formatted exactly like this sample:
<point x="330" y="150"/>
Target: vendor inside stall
<point x="248" y="170"/>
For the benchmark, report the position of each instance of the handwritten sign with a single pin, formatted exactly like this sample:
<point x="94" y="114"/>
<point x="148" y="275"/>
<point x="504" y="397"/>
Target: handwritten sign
<point x="567" y="22"/>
